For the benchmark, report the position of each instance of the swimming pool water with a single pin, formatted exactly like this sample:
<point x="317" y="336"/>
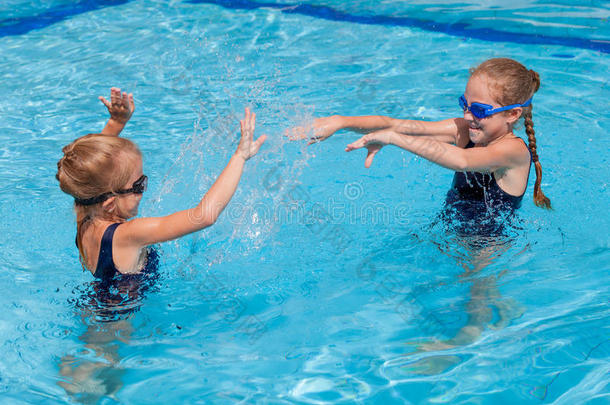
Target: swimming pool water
<point x="323" y="281"/>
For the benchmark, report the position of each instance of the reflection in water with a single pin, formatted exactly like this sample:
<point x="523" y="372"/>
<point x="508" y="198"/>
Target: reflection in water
<point x="105" y="309"/>
<point x="475" y="237"/>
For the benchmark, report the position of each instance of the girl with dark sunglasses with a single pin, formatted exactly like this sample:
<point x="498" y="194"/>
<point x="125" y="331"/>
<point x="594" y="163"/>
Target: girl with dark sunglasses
<point x="492" y="164"/>
<point x="103" y="173"/>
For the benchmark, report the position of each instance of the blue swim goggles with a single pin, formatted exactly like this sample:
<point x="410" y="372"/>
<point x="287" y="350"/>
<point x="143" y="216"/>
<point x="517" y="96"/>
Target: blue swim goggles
<point x="485" y="110"/>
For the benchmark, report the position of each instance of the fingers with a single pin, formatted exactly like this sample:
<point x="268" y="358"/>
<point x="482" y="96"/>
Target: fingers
<point x="248" y="124"/>
<point x="125" y="99"/>
<point x="250" y="119"/>
<point x="252" y="122"/>
<point x="248" y="148"/>
<point x="372" y="149"/>
<point x="360" y="143"/>
<point x="369" y="157"/>
<point x="105" y="102"/>
<point x="244" y="122"/>
<point x="115" y="95"/>
<point x="315" y="139"/>
<point x="247" y="116"/>
<point x="119" y="99"/>
<point x="316" y="131"/>
<point x="261" y="140"/>
<point x="132" y="104"/>
<point x="296" y="133"/>
<point x="258" y="143"/>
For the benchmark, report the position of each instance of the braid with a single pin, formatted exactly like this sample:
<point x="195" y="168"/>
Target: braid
<point x="513" y="83"/>
<point x="531" y="135"/>
<point x="539" y="198"/>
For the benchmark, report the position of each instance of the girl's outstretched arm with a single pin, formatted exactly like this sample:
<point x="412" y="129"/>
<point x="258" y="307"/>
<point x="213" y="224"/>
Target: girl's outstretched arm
<point x="120" y="107"/>
<point x="323" y="128"/>
<point x="482" y="159"/>
<point x="147" y="231"/>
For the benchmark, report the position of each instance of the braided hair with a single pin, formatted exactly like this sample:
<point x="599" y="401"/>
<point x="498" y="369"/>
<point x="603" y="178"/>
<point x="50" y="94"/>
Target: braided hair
<point x="513" y="83"/>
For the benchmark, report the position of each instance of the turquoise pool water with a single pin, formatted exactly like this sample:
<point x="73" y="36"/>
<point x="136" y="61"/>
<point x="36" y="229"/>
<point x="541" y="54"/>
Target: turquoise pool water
<point x="323" y="282"/>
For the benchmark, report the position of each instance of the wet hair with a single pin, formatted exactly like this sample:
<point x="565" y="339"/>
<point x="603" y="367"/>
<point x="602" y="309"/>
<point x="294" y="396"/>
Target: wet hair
<point x="94" y="164"/>
<point x="511" y="83"/>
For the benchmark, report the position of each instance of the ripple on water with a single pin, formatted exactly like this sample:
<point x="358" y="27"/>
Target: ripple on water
<point x="336" y="389"/>
<point x="47" y="329"/>
<point x="420" y="365"/>
<point x="330" y="334"/>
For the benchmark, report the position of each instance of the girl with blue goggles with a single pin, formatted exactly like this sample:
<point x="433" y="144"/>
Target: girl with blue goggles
<point x="479" y="144"/>
<point x="480" y="110"/>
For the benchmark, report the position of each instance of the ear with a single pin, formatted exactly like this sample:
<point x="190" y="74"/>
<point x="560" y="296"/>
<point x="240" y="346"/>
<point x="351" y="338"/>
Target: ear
<point x="514" y="115"/>
<point x="109" y="205"/>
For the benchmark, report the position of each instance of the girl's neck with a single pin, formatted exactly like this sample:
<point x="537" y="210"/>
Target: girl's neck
<point x="105" y="221"/>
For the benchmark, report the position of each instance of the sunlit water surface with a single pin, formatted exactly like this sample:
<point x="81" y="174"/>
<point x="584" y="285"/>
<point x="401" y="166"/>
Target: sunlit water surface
<point x="323" y="281"/>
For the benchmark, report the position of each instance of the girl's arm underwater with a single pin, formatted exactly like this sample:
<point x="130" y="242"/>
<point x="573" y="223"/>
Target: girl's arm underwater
<point x="120" y="107"/>
<point x="322" y="128"/>
<point x="142" y="232"/>
<point x="482" y="159"/>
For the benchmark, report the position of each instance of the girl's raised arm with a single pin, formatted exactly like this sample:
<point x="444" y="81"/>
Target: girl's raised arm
<point x="147" y="231"/>
<point x="322" y="128"/>
<point x="120" y="107"/>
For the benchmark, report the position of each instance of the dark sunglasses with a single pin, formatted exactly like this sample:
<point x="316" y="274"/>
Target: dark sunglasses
<point x="480" y="110"/>
<point x="138" y="187"/>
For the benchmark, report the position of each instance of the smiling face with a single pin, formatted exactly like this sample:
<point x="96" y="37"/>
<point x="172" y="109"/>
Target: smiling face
<point x="486" y="130"/>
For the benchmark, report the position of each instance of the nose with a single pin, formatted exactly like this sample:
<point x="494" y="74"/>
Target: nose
<point x="468" y="115"/>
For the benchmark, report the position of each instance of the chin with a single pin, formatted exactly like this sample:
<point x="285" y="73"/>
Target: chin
<point x="478" y="137"/>
<point x="475" y="137"/>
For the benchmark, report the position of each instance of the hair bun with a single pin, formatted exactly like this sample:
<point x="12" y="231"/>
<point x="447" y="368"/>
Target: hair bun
<point x="68" y="150"/>
<point x="535" y="79"/>
<point x="59" y="168"/>
<point x="69" y="154"/>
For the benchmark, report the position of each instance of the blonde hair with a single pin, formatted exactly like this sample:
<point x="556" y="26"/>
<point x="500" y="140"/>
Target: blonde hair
<point x="92" y="165"/>
<point x="512" y="83"/>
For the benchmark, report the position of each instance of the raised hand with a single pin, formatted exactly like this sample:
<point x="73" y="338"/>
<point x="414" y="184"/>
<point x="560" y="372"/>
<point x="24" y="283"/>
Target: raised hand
<point x="247" y="146"/>
<point x="373" y="142"/>
<point x="317" y="131"/>
<point x="120" y="106"/>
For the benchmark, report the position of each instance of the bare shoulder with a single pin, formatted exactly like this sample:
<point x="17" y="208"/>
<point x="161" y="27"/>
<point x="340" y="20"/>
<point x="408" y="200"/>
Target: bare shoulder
<point x="127" y="233"/>
<point x="516" y="149"/>
<point x="127" y="255"/>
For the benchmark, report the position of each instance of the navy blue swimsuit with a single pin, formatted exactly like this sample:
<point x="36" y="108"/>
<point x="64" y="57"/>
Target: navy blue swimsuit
<point x="106" y="269"/>
<point x="112" y="298"/>
<point x="481" y="187"/>
<point x="105" y="265"/>
<point x="476" y="204"/>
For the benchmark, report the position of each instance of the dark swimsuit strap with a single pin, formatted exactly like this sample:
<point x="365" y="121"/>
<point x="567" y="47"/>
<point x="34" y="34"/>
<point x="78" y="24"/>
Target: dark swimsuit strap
<point x="105" y="265"/>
